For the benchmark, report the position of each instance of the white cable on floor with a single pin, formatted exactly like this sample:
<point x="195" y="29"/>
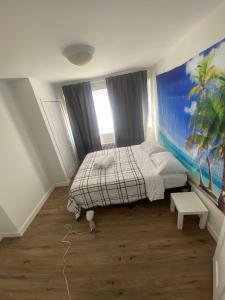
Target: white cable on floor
<point x="70" y="231"/>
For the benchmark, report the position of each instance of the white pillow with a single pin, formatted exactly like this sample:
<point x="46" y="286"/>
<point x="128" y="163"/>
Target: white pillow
<point x="156" y="149"/>
<point x="166" y="163"/>
<point x="146" y="145"/>
<point x="152" y="147"/>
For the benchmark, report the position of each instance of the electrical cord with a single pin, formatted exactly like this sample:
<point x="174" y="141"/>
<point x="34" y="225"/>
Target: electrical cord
<point x="65" y="240"/>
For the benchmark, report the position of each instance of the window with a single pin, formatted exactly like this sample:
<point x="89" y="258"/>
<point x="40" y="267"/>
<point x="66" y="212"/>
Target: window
<point x="149" y="104"/>
<point x="103" y="111"/>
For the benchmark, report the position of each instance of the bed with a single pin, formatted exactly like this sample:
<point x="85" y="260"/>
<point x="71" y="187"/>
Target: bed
<point x="132" y="176"/>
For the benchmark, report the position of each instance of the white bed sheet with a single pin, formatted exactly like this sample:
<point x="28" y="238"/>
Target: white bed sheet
<point x="153" y="181"/>
<point x="174" y="180"/>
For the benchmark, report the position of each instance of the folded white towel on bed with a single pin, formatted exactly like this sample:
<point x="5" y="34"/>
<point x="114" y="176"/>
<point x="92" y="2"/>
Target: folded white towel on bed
<point x="98" y="162"/>
<point x="108" y="160"/>
<point x="103" y="162"/>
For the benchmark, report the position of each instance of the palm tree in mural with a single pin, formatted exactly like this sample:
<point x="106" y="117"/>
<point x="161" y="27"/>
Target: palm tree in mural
<point x="205" y="74"/>
<point x="208" y="120"/>
<point x="200" y="138"/>
<point x="194" y="141"/>
<point x="211" y="118"/>
<point x="217" y="129"/>
<point x="202" y="144"/>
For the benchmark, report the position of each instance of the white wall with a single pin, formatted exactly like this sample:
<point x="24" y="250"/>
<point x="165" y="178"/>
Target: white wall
<point x="30" y="166"/>
<point x="44" y="90"/>
<point x="24" y="180"/>
<point x="28" y="104"/>
<point x="200" y="37"/>
<point x="206" y="33"/>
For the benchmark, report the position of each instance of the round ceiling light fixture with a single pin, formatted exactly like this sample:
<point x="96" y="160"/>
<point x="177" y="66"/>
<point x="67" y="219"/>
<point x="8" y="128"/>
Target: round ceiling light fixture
<point x="79" y="54"/>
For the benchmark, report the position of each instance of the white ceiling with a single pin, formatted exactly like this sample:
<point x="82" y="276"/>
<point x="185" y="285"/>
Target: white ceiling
<point x="127" y="34"/>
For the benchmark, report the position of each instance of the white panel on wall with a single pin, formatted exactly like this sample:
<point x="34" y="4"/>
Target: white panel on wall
<point x="54" y="114"/>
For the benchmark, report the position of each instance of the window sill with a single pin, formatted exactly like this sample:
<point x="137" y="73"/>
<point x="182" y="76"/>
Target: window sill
<point x="106" y="132"/>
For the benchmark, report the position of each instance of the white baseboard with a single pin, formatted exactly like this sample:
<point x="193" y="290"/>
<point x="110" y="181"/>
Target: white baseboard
<point x="62" y="184"/>
<point x="212" y="232"/>
<point x="10" y="235"/>
<point x="30" y="218"/>
<point x="33" y="214"/>
<point x="215" y="217"/>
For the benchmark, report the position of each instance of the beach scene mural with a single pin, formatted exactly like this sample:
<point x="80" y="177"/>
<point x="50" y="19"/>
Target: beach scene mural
<point x="191" y="105"/>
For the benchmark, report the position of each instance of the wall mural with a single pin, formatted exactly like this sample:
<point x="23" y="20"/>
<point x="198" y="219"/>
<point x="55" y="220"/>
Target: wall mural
<point x="191" y="102"/>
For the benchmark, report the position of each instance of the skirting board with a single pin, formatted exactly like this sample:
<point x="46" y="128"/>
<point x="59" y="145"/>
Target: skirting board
<point x="31" y="217"/>
<point x="215" y="215"/>
<point x="212" y="232"/>
<point x="33" y="214"/>
<point x="61" y="184"/>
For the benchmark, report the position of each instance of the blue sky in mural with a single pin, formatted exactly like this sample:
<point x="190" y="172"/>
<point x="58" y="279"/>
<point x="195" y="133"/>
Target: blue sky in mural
<point x="173" y="88"/>
<point x="176" y="108"/>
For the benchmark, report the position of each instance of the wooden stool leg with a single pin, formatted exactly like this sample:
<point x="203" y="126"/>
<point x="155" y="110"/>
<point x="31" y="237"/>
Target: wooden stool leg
<point x="203" y="220"/>
<point x="180" y="219"/>
<point x="172" y="206"/>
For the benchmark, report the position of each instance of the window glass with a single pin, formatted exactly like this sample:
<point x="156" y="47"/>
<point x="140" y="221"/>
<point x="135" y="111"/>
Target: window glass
<point x="103" y="111"/>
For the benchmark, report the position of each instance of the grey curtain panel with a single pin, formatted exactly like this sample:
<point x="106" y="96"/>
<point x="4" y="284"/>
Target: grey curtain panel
<point x="129" y="102"/>
<point x="83" y="120"/>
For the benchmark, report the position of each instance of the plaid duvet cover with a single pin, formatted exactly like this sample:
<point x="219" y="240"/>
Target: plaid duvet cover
<point x="122" y="182"/>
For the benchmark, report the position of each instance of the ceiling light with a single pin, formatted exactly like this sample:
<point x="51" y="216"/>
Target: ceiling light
<point x="79" y="54"/>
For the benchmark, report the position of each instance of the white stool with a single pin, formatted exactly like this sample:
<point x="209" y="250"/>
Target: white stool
<point x="188" y="204"/>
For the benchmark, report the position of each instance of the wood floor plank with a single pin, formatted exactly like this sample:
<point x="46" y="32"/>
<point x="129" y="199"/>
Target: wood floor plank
<point x="135" y="253"/>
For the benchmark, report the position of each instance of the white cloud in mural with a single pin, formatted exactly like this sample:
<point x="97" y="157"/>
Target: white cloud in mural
<point x="219" y="58"/>
<point x="191" y="65"/>
<point x="190" y="110"/>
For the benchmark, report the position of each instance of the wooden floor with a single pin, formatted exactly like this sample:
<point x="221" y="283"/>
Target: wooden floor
<point x="135" y="253"/>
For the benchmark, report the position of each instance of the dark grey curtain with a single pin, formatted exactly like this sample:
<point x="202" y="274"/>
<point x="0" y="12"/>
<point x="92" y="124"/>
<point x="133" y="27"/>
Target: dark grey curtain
<point x="129" y="102"/>
<point x="80" y="106"/>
